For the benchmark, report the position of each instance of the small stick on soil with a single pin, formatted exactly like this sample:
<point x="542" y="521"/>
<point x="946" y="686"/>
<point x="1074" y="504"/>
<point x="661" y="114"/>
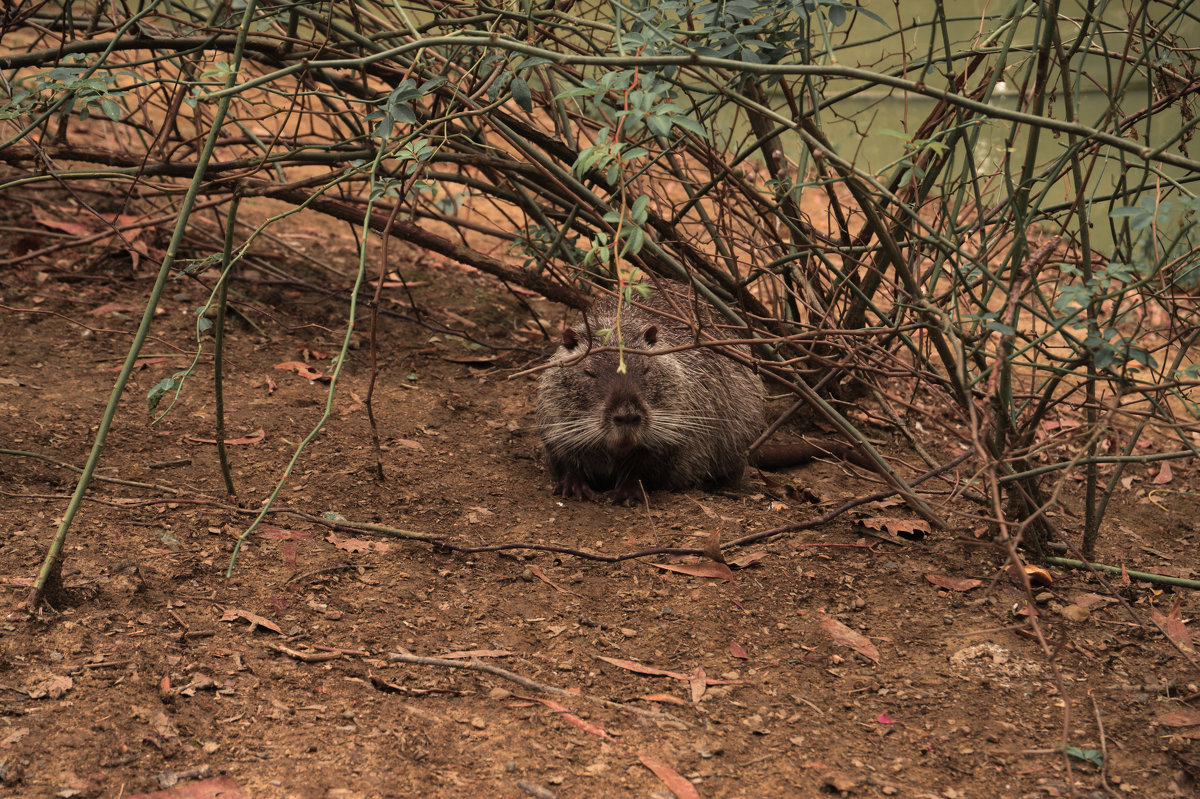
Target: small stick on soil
<point x="477" y="665"/>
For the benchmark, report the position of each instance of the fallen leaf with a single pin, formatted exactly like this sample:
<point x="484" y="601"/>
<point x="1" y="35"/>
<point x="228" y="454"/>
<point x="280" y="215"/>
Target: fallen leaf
<point x="212" y="788"/>
<point x="670" y="777"/>
<point x="476" y="653"/>
<point x="537" y="572"/>
<point x="233" y="614"/>
<point x="1164" y="475"/>
<point x="571" y="718"/>
<point x="107" y="307"/>
<point x="1074" y="613"/>
<point x="912" y="529"/>
<point x="282" y="533"/>
<point x="253" y="438"/>
<point x="55" y="223"/>
<point x="1036" y="574"/>
<point x="1172" y="626"/>
<point x="634" y="666"/>
<point x="736" y="650"/>
<point x="747" y="559"/>
<point x="884" y="718"/>
<point x="953" y="583"/>
<point x="53" y="687"/>
<point x="674" y="700"/>
<point x="1175" y="718"/>
<point x="302" y="369"/>
<point x="356" y="544"/>
<point x="13" y="737"/>
<point x="707" y="568"/>
<point x="712" y="546"/>
<point x="140" y="364"/>
<point x="844" y="635"/>
<point x="699" y="683"/>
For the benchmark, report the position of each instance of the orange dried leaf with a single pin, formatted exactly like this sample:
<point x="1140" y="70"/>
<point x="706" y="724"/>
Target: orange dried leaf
<point x="953" y="583"/>
<point x="233" y="614"/>
<point x="736" y="650"/>
<point x="674" y="700"/>
<point x="302" y="369"/>
<point x="477" y="653"/>
<point x="699" y="683"/>
<point x="1036" y="574"/>
<point x="747" y="559"/>
<point x="1178" y="718"/>
<point x="1164" y="475"/>
<point x="706" y="568"/>
<point x="844" y="635"/>
<point x="670" y="777"/>
<point x="913" y="529"/>
<point x="638" y="668"/>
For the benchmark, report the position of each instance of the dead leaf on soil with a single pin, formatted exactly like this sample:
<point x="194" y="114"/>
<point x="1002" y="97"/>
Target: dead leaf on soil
<point x="140" y="364"/>
<point x="747" y="559"/>
<point x="674" y="700"/>
<point x="1164" y="475"/>
<point x="1175" y="718"/>
<point x="60" y="224"/>
<point x="634" y="666"/>
<point x="233" y="614"/>
<point x="303" y="369"/>
<point x="844" y="635"/>
<point x="1036" y="574"/>
<point x="736" y="650"/>
<point x="699" y="683"/>
<point x="569" y="717"/>
<point x="463" y="654"/>
<point x="54" y="688"/>
<point x="13" y="737"/>
<point x="253" y="438"/>
<point x="212" y="788"/>
<point x="953" y="583"/>
<point x="537" y="572"/>
<point x="912" y="529"/>
<point x="638" y="668"/>
<point x="705" y="568"/>
<point x="283" y="533"/>
<point x="356" y="544"/>
<point x="1173" y="627"/>
<point x="675" y="781"/>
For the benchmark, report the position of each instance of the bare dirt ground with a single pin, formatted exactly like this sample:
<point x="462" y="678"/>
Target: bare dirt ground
<point x="828" y="663"/>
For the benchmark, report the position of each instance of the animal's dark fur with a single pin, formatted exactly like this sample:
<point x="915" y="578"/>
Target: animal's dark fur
<point x="673" y="421"/>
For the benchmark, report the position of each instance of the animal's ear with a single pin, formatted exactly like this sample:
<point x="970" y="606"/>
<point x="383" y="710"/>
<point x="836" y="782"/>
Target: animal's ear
<point x="651" y="334"/>
<point x="570" y="339"/>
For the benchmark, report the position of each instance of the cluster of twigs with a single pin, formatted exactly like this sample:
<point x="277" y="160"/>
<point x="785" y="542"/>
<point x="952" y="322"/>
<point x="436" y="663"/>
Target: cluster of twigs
<point x="1016" y="282"/>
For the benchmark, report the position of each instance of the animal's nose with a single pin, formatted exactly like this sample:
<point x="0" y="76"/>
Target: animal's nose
<point x="627" y="418"/>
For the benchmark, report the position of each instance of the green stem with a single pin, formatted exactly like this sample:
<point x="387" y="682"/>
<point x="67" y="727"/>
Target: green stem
<point x="52" y="564"/>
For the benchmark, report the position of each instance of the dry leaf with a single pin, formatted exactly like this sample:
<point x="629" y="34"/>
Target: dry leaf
<point x="1173" y="627"/>
<point x="699" y="683"/>
<point x="640" y="669"/>
<point x="253" y="438"/>
<point x="56" y="223"/>
<point x="53" y="687"/>
<point x="536" y="572"/>
<point x="712" y="547"/>
<point x="674" y="700"/>
<point x="571" y="718"/>
<point x="1036" y="574"/>
<point x="912" y="529"/>
<point x="212" y="788"/>
<point x="233" y="614"/>
<point x="844" y="635"/>
<point x="747" y="559"/>
<point x="1164" y="475"/>
<point x="476" y="653"/>
<point x="670" y="777"/>
<point x="1176" y="718"/>
<point x="302" y="369"/>
<point x="953" y="583"/>
<point x="736" y="650"/>
<point x="707" y="568"/>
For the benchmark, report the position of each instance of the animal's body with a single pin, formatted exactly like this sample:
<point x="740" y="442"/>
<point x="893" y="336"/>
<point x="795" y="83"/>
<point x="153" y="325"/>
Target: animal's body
<point x="673" y="421"/>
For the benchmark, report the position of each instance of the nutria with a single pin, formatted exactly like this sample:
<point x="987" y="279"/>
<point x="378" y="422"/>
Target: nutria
<point x="673" y="421"/>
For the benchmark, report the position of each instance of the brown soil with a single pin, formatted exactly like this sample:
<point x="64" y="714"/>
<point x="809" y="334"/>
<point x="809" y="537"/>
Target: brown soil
<point x="147" y="666"/>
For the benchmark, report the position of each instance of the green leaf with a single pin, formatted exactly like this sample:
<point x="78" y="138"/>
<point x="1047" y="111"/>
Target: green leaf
<point x="159" y="391"/>
<point x="521" y="93"/>
<point x="111" y="109"/>
<point x="1090" y="755"/>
